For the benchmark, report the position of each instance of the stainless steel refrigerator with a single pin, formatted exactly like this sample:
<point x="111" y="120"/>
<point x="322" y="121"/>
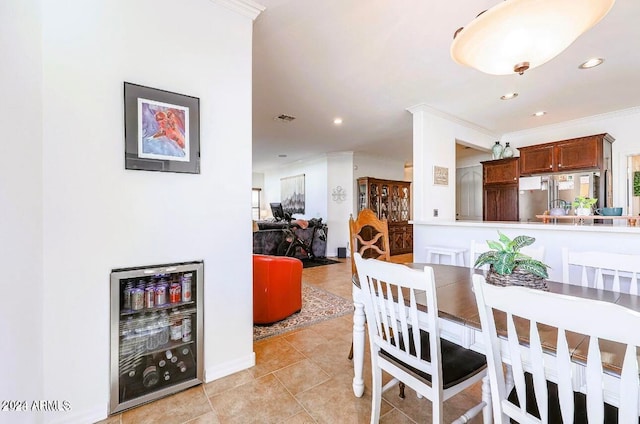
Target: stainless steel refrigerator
<point x="541" y="193"/>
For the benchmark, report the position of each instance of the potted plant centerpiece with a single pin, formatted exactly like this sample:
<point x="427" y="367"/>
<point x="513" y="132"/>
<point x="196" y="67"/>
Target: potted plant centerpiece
<point x="583" y="205"/>
<point x="510" y="267"/>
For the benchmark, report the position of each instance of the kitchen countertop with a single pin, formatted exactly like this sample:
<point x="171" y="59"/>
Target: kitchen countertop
<point x="617" y="226"/>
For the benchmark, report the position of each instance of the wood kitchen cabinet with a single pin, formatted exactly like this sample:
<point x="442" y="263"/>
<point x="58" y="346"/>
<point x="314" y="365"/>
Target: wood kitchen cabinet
<point x="577" y="154"/>
<point x="390" y="200"/>
<point x="500" y="189"/>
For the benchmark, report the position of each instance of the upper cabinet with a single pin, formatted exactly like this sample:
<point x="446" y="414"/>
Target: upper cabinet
<point x="577" y="154"/>
<point x="501" y="171"/>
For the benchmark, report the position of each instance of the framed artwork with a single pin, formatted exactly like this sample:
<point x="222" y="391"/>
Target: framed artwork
<point x="440" y="175"/>
<point x="292" y="194"/>
<point x="161" y="130"/>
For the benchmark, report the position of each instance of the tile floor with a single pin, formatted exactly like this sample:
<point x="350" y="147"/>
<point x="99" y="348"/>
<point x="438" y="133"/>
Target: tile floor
<point x="300" y="377"/>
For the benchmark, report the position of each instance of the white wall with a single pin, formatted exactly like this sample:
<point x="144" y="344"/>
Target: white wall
<point x="623" y="125"/>
<point x="21" y="205"/>
<point x="315" y="186"/>
<point x="434" y="144"/>
<point x="72" y="212"/>
<point x="339" y="174"/>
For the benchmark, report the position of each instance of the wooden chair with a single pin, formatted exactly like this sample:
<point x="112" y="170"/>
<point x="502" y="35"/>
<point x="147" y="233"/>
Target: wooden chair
<point x="369" y="236"/>
<point x="545" y="383"/>
<point x="602" y="270"/>
<point x="435" y="368"/>
<point x="477" y="248"/>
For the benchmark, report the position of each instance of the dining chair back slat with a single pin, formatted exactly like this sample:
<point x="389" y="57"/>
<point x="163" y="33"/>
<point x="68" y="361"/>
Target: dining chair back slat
<point x="617" y="272"/>
<point x="546" y="389"/>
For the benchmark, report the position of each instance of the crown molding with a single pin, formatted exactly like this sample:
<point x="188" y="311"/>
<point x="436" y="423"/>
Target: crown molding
<point x="423" y="107"/>
<point x="574" y="122"/>
<point x="247" y="8"/>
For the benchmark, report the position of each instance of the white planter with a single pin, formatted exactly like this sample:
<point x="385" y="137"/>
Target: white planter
<point x="583" y="211"/>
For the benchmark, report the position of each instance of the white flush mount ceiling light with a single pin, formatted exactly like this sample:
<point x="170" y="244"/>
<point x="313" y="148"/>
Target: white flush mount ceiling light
<point x="337" y="121"/>
<point x="517" y="35"/>
<point x="540" y="113"/>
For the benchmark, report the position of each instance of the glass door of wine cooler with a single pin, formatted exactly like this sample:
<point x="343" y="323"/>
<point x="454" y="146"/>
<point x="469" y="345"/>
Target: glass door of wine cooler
<point x="156" y="332"/>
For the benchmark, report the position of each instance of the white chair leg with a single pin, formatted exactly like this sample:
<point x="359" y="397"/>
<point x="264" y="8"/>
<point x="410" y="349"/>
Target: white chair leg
<point x="487" y="412"/>
<point x="376" y="392"/>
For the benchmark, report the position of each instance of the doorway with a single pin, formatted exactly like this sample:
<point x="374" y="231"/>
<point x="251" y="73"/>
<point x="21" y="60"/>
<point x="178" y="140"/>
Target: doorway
<point x="633" y="184"/>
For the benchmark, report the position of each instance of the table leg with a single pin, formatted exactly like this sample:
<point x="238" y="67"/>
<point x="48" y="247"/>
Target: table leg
<point x="358" y="348"/>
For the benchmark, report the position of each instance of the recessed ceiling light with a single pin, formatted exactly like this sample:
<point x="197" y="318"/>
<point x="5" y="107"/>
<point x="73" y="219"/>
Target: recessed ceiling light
<point x="540" y="113"/>
<point x="591" y="63"/>
<point x="337" y="121"/>
<point x="282" y="156"/>
<point x="509" y="96"/>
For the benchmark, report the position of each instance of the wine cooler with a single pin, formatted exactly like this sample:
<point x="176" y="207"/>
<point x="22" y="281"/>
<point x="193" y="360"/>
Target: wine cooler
<point x="156" y="332"/>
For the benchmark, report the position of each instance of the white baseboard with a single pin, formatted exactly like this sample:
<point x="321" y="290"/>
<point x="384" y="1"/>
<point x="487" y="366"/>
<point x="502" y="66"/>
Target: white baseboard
<point x="228" y="368"/>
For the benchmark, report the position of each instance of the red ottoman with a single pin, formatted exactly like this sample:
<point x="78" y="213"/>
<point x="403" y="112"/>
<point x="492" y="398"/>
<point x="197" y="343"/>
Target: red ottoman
<point x="277" y="288"/>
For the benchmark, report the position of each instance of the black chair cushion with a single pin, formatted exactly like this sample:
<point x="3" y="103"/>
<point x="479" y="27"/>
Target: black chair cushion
<point x="458" y="363"/>
<point x="579" y="399"/>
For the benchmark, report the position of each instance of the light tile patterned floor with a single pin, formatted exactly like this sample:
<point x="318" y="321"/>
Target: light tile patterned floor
<point x="299" y="377"/>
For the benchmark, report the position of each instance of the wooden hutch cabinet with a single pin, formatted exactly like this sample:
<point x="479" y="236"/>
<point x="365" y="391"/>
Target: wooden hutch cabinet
<point x="391" y="200"/>
<point x="500" y="190"/>
<point x="577" y="154"/>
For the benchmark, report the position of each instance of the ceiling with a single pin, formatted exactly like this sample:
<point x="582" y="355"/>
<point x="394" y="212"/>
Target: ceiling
<point x="368" y="61"/>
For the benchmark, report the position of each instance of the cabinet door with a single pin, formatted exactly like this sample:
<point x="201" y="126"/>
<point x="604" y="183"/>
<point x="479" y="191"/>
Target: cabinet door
<point x="501" y="203"/>
<point x="503" y="171"/>
<point x="536" y="159"/>
<point x="581" y="153"/>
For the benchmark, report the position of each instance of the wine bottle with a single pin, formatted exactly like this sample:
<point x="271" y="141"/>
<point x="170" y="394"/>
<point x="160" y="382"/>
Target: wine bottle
<point x="150" y="376"/>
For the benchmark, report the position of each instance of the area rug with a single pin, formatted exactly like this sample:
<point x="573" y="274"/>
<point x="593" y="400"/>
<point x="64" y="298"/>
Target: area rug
<point x="310" y="263"/>
<point x="317" y="305"/>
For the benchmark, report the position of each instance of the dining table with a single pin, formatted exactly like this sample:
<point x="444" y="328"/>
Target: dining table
<point x="459" y="322"/>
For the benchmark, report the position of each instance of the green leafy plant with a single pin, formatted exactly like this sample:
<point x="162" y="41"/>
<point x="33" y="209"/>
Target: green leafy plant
<point x="584" y="202"/>
<point x="505" y="256"/>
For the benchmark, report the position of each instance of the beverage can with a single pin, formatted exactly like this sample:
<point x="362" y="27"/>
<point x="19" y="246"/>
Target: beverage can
<point x="176" y="326"/>
<point x="186" y="288"/>
<point x="175" y="293"/>
<point x="149" y="297"/>
<point x="186" y="329"/>
<point x="161" y="295"/>
<point x="127" y="295"/>
<point x="137" y="299"/>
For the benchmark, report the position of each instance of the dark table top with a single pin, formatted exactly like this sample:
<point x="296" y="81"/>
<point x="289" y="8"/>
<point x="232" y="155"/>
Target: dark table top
<point x="456" y="302"/>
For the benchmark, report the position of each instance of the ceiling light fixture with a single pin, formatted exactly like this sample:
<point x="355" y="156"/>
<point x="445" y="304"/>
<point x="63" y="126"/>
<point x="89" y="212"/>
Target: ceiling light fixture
<point x="540" y="113"/>
<point x="337" y="121"/>
<point x="509" y="96"/>
<point x="517" y="35"/>
<point x="591" y="63"/>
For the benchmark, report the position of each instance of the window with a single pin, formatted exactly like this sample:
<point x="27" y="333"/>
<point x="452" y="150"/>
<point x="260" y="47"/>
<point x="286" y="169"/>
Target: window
<point x="255" y="203"/>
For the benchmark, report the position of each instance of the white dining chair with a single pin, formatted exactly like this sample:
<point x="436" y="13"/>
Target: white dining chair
<point x="416" y="355"/>
<point x="544" y="389"/>
<point x="616" y="272"/>
<point x="478" y="247"/>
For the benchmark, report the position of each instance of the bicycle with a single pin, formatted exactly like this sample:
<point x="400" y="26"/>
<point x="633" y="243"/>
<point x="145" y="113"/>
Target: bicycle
<point x="292" y="241"/>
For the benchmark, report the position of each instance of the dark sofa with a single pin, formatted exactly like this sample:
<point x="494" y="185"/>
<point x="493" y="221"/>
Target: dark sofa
<point x="269" y="236"/>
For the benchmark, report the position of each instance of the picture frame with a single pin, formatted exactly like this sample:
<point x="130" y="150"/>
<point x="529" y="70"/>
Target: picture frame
<point x="162" y="130"/>
<point x="440" y="175"/>
<point x="292" y="194"/>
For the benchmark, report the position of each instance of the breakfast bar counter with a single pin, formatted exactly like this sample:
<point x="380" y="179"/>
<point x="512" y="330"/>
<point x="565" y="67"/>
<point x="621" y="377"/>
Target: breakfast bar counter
<point x="616" y="237"/>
